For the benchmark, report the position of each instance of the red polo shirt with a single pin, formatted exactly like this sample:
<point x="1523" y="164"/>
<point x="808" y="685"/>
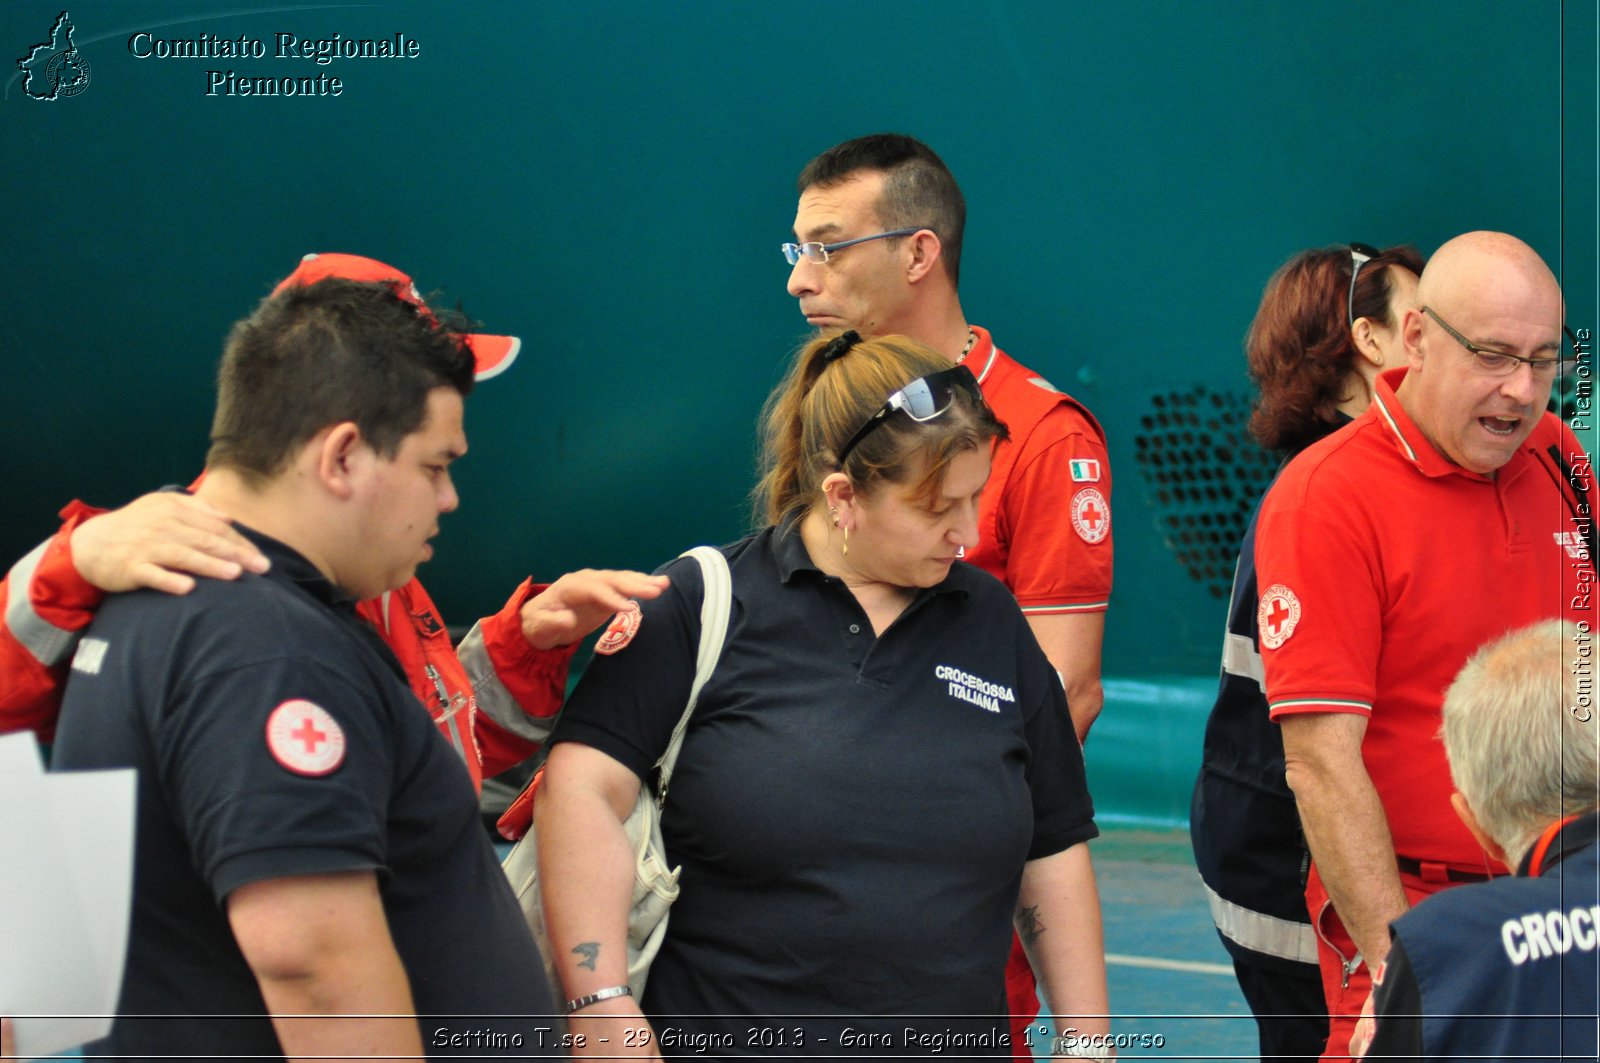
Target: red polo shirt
<point x="1383" y="566"/>
<point x="1044" y="521"/>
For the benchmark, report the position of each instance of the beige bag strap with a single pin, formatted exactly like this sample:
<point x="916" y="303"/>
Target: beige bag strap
<point x="715" y="609"/>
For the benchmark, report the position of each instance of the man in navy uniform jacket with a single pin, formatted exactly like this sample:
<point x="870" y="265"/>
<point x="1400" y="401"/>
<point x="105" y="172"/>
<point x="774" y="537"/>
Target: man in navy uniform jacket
<point x="1508" y="968"/>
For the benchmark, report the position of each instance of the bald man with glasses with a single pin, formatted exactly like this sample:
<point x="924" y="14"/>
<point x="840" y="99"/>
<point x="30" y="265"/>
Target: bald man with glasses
<point x="1454" y="509"/>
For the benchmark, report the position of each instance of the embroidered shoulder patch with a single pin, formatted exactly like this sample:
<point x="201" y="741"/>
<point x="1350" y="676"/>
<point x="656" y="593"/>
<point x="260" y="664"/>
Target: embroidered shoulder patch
<point x="1277" y="615"/>
<point x="623" y="627"/>
<point x="304" y="738"/>
<point x="1091" y="515"/>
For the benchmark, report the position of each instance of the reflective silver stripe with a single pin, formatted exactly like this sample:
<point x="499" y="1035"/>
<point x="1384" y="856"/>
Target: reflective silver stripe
<point x="494" y="700"/>
<point x="1263" y="933"/>
<point x="49" y="644"/>
<point x="1241" y="658"/>
<point x="455" y="737"/>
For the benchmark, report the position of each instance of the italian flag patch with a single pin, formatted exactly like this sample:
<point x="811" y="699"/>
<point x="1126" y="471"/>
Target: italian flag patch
<point x="1085" y="470"/>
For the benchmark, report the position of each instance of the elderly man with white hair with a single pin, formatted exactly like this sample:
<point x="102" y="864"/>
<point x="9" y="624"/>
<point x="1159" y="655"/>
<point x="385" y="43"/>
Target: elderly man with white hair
<point x="1509" y="968"/>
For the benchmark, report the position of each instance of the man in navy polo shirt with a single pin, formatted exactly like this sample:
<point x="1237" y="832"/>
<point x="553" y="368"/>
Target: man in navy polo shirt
<point x="311" y="872"/>
<point x="1508" y="968"/>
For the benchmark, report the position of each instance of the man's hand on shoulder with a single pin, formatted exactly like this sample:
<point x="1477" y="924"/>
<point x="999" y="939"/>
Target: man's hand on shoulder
<point x="580" y="602"/>
<point x="162" y="541"/>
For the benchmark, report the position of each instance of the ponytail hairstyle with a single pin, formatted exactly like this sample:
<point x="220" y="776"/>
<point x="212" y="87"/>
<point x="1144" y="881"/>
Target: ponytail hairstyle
<point x="836" y="383"/>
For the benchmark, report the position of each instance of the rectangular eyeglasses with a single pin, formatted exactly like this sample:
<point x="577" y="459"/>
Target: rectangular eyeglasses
<point x="818" y="252"/>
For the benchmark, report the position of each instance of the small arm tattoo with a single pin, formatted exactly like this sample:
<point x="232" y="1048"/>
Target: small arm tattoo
<point x="1028" y="926"/>
<point x="590" y="951"/>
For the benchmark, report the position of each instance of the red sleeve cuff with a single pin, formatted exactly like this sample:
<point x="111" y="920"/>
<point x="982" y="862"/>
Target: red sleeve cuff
<point x="537" y="679"/>
<point x="59" y="594"/>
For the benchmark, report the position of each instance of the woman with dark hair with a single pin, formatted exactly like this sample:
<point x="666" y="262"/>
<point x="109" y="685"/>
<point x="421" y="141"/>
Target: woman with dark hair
<point x="879" y="780"/>
<point x="1328" y="324"/>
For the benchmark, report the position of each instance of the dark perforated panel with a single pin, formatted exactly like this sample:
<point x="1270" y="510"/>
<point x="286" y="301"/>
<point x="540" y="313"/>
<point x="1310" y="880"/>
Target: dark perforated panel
<point x="1202" y="474"/>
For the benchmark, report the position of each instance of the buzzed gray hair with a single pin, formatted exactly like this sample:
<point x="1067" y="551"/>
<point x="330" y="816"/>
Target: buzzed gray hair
<point x="1522" y="731"/>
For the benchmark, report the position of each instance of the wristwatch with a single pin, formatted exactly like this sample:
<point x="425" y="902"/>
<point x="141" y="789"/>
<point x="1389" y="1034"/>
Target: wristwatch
<point x="1078" y="1046"/>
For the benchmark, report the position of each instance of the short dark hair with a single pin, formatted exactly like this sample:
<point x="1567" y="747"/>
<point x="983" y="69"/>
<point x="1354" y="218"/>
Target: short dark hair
<point x="313" y="356"/>
<point x="918" y="189"/>
<point x="1300" y="347"/>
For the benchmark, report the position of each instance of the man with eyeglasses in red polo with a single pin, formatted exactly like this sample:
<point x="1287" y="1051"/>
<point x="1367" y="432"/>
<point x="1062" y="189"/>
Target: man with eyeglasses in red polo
<point x="1455" y="508"/>
<point x="879" y="230"/>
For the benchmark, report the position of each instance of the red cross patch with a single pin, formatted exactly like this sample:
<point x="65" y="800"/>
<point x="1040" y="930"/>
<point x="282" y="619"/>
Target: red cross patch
<point x="304" y="738"/>
<point x="1091" y="515"/>
<point x="623" y="627"/>
<point x="1277" y="615"/>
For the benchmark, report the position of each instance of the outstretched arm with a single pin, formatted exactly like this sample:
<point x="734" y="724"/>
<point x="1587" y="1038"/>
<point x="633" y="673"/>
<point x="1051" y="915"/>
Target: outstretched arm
<point x="517" y="659"/>
<point x="580" y="602"/>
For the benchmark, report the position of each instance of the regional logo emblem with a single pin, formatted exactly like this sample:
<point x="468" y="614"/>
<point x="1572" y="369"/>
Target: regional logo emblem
<point x="55" y="69"/>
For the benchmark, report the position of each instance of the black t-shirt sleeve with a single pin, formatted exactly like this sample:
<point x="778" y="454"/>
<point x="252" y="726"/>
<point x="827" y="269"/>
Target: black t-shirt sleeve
<point x="1063" y="813"/>
<point x="247" y="815"/>
<point x="1397" y="1005"/>
<point x="629" y="700"/>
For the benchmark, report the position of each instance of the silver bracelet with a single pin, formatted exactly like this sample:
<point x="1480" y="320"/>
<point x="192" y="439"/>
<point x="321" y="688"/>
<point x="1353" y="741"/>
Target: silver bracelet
<point x="597" y="996"/>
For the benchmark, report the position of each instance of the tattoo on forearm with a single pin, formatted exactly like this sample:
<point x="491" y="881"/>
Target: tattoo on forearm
<point x="590" y="951"/>
<point x="1028" y="926"/>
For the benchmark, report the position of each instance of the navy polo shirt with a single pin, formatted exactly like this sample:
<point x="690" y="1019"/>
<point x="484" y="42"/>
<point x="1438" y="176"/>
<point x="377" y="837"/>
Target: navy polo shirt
<point x="852" y="813"/>
<point x="239" y="781"/>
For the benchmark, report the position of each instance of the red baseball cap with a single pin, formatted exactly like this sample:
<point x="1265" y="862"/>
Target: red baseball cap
<point x="491" y="355"/>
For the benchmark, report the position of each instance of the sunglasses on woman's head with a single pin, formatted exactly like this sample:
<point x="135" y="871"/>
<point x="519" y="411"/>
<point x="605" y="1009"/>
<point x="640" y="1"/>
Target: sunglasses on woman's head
<point x="922" y="400"/>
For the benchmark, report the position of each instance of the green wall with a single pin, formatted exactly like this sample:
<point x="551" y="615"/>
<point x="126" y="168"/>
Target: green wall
<point x="611" y="182"/>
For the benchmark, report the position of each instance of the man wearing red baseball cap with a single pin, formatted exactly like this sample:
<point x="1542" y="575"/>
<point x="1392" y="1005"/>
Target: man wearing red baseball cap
<point x="311" y="878"/>
<point x="494" y="699"/>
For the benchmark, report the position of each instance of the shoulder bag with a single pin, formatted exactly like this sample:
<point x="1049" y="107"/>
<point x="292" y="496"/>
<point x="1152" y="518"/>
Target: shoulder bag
<point x="655" y="884"/>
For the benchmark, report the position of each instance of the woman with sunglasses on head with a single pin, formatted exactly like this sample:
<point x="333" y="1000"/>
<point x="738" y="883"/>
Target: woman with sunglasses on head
<point x="1328" y="324"/>
<point x="879" y="781"/>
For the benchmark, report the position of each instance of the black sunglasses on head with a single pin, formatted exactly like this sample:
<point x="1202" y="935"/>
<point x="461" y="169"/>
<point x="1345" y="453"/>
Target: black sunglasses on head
<point x="922" y="400"/>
